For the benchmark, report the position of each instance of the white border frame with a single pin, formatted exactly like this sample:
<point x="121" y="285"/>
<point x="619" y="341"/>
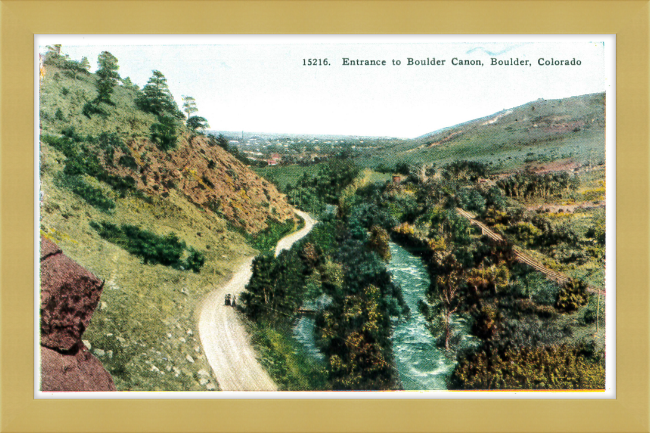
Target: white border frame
<point x="610" y="277"/>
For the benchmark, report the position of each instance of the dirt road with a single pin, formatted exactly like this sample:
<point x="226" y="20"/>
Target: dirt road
<point x="223" y="337"/>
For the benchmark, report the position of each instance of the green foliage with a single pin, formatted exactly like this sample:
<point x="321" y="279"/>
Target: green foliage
<point x="551" y="367"/>
<point x="312" y="193"/>
<point x="354" y="329"/>
<point x="285" y="360"/>
<point x="399" y="167"/>
<point x="70" y="68"/>
<point x="107" y="77"/>
<point x="197" y="122"/>
<point x="534" y="286"/>
<point x="94" y="196"/>
<point x="355" y="337"/>
<point x="164" y="133"/>
<point x="379" y="242"/>
<point x="525" y="232"/>
<point x="275" y="291"/>
<point x="528" y="184"/>
<point x="157" y="99"/>
<point x="128" y="161"/>
<point x="464" y="171"/>
<point x="572" y="296"/>
<point x="597" y="231"/>
<point x="189" y="106"/>
<point x="81" y="159"/>
<point x="152" y="249"/>
<point x="471" y="200"/>
<point x="266" y="239"/>
<point x="92" y="107"/>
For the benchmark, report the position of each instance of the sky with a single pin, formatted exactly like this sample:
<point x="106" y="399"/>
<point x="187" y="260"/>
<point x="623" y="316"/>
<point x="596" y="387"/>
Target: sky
<point x="261" y="83"/>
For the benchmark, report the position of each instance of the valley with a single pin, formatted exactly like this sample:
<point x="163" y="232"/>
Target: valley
<point x="470" y="258"/>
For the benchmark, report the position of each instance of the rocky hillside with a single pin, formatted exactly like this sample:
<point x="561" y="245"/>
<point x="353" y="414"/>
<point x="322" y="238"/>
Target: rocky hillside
<point x="156" y="210"/>
<point x="197" y="167"/>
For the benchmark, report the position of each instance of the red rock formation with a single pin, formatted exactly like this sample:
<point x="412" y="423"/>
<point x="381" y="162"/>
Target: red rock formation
<point x="80" y="371"/>
<point x="69" y="296"/>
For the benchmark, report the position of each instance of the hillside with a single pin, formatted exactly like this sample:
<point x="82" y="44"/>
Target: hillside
<point x="536" y="134"/>
<point x="160" y="220"/>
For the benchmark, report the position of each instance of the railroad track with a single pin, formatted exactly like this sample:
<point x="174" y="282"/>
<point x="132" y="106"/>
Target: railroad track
<point x="522" y="257"/>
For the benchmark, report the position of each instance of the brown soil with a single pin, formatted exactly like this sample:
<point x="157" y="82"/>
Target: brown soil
<point x="209" y="177"/>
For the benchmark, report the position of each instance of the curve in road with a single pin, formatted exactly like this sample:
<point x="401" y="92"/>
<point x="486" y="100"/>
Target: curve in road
<point x="224" y="339"/>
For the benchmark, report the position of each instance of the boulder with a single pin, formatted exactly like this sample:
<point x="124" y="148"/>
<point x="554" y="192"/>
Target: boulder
<point x="76" y="370"/>
<point x="69" y="296"/>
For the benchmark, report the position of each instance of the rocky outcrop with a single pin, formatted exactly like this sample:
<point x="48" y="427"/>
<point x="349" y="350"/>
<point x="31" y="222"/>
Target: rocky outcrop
<point x="69" y="296"/>
<point x="208" y="176"/>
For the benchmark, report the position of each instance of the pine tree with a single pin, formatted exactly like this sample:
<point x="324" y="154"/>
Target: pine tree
<point x="157" y="99"/>
<point x="108" y="77"/>
<point x="189" y="106"/>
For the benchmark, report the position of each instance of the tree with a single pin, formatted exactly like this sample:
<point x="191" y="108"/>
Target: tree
<point x="197" y="122"/>
<point x="220" y="141"/>
<point x="157" y="99"/>
<point x="54" y="49"/>
<point x="189" y="106"/>
<point x="108" y="77"/>
<point x="85" y="64"/>
<point x="447" y="287"/>
<point x="379" y="242"/>
<point x="163" y="133"/>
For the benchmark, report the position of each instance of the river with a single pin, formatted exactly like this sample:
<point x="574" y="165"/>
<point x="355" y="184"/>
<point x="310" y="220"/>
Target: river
<point x="421" y="365"/>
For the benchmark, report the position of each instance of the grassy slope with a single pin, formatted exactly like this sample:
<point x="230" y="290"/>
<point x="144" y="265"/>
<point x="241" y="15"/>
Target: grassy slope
<point x="533" y="131"/>
<point x="144" y="329"/>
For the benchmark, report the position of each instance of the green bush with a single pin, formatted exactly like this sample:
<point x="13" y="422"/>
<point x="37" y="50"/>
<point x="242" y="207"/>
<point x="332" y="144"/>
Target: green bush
<point x="551" y="367"/>
<point x="267" y="239"/>
<point x="164" y="133"/>
<point x="128" y="161"/>
<point x="153" y="249"/>
<point x="94" y="196"/>
<point x="572" y="296"/>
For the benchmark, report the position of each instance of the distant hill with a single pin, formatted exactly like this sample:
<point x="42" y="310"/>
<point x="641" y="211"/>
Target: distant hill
<point x="273" y="135"/>
<point x="539" y="132"/>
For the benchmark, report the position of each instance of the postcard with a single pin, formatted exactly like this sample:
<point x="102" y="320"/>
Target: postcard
<point x="298" y="216"/>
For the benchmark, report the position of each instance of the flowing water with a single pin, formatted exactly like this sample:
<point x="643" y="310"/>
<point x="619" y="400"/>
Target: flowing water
<point x="303" y="332"/>
<point x="421" y="365"/>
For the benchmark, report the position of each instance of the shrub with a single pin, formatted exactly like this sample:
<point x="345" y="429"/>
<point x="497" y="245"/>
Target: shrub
<point x="92" y="107"/>
<point x="572" y="296"/>
<point x="164" y="133"/>
<point x="379" y="242"/>
<point x="550" y="367"/>
<point x="128" y="161"/>
<point x="153" y="249"/>
<point x="93" y="196"/>
<point x="266" y="239"/>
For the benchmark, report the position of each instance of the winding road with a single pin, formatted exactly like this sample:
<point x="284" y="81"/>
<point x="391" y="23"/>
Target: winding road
<point x="225" y="342"/>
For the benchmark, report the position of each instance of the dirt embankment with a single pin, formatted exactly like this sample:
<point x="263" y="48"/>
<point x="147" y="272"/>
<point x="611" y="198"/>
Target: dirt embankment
<point x="209" y="177"/>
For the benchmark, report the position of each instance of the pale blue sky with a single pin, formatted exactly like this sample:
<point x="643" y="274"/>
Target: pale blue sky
<point x="259" y="83"/>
